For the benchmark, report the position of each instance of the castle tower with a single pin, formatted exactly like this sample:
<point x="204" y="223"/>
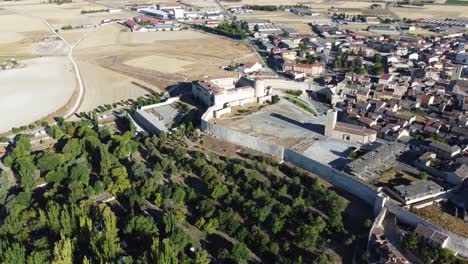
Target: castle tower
<point x="330" y="122"/>
<point x="259" y="86"/>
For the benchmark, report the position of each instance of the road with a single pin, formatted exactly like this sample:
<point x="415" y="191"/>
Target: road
<point x="226" y="12"/>
<point x="77" y="103"/>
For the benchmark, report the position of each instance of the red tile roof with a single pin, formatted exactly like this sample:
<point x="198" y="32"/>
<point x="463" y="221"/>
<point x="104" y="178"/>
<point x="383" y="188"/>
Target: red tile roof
<point x="132" y="24"/>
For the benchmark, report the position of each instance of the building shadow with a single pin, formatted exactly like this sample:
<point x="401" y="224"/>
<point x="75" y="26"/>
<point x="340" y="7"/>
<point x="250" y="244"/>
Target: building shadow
<point x="339" y="163"/>
<point x="179" y="89"/>
<point x="317" y="128"/>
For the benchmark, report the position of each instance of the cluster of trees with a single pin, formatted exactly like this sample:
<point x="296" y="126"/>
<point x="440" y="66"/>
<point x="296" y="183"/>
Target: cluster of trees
<point x="262" y="7"/>
<point x="426" y="253"/>
<point x="350" y="65"/>
<point x="235" y="29"/>
<point x="377" y="69"/>
<point x="148" y="99"/>
<point x="294" y="92"/>
<point x="16" y="130"/>
<point x="274" y="7"/>
<point x="94" y="11"/>
<point x="165" y="186"/>
<point x="67" y="27"/>
<point x="434" y="136"/>
<point x="343" y="16"/>
<point x="275" y="99"/>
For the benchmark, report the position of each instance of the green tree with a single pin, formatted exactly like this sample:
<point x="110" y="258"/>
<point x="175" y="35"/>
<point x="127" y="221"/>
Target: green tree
<point x="13" y="254"/>
<point x="63" y="251"/>
<point x="410" y="242"/>
<point x="163" y="253"/>
<point x="170" y="222"/>
<point x="211" y="226"/>
<point x="26" y="170"/>
<point x="218" y="190"/>
<point x="240" y="252"/>
<point x="106" y="245"/>
<point x="202" y="257"/>
<point x="423" y="175"/>
<point x="309" y="235"/>
<point x="50" y="161"/>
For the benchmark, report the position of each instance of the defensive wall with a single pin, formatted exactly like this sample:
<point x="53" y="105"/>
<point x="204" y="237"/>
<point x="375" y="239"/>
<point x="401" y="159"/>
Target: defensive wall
<point x="239" y="138"/>
<point x="456" y="243"/>
<point x="286" y="84"/>
<point x="149" y="121"/>
<point x="341" y="180"/>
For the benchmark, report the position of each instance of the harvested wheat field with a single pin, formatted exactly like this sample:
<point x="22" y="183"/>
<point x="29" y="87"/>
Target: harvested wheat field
<point x="25" y="100"/>
<point x="65" y="14"/>
<point x="112" y="61"/>
<point x="160" y="63"/>
<point x="287" y="19"/>
<point x="432" y="11"/>
<point x="21" y="38"/>
<point x="103" y="86"/>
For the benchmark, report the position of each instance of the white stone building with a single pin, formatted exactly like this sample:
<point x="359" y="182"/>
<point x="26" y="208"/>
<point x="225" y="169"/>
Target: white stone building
<point x="222" y="94"/>
<point x="347" y="132"/>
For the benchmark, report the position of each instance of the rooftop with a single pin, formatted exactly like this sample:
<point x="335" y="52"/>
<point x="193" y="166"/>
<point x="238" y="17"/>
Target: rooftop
<point x="418" y="189"/>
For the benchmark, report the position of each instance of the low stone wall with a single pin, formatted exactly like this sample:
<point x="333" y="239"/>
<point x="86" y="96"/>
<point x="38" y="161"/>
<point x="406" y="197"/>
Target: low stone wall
<point x="456" y="243"/>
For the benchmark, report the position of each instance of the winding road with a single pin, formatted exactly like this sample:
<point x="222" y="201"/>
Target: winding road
<point x="77" y="103"/>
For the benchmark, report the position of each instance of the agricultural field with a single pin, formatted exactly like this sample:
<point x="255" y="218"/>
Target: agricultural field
<point x="33" y="44"/>
<point x="115" y="64"/>
<point x="431" y="11"/>
<point x="287" y="19"/>
<point x="38" y="95"/>
<point x="64" y="14"/>
<point x="155" y="60"/>
<point x="22" y="38"/>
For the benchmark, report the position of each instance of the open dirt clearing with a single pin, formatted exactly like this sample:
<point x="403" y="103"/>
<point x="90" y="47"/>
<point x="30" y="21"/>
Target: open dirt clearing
<point x="30" y="93"/>
<point x="282" y="123"/>
<point x="106" y="87"/>
<point x="21" y="38"/>
<point x="159" y="63"/>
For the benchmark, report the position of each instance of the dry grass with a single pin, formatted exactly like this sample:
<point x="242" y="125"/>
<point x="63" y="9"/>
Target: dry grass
<point x="181" y="56"/>
<point x="287" y="19"/>
<point x="436" y="216"/>
<point x="431" y="11"/>
<point x="36" y="96"/>
<point x="394" y="177"/>
<point x="419" y="118"/>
